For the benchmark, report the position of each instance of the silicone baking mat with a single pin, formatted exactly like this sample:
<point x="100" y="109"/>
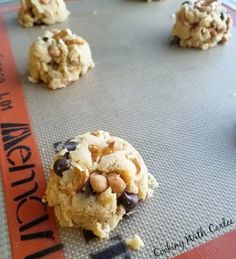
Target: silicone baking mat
<point x="176" y="106"/>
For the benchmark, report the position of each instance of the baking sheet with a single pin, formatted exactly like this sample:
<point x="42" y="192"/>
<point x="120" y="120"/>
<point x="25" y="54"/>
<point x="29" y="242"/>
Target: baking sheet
<point x="230" y="3"/>
<point x="176" y="106"/>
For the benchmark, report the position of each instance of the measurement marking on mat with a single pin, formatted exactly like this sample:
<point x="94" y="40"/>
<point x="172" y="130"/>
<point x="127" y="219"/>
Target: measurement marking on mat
<point x="32" y="228"/>
<point x="5" y="102"/>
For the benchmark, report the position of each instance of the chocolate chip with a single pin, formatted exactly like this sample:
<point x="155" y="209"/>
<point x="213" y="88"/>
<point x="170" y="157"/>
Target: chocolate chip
<point x="88" y="190"/>
<point x="70" y="145"/>
<point x="45" y="38"/>
<point x="128" y="200"/>
<point x="175" y="40"/>
<point x="88" y="235"/>
<point x="62" y="164"/>
<point x="222" y="17"/>
<point x="186" y="2"/>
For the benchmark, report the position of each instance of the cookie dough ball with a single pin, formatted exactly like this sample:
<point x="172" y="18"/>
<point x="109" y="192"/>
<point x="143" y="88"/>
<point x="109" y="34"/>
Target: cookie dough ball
<point x="201" y="24"/>
<point x="59" y="58"/>
<point x="42" y="12"/>
<point x="95" y="180"/>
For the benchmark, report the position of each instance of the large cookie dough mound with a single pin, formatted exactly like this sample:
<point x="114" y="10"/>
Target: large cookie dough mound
<point x="202" y="24"/>
<point x="59" y="58"/>
<point x="95" y="180"/>
<point x="42" y="12"/>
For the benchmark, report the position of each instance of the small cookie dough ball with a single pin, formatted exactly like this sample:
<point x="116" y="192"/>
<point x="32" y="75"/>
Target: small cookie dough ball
<point x="201" y="24"/>
<point x="59" y="58"/>
<point x="95" y="180"/>
<point x="135" y="243"/>
<point x="33" y="12"/>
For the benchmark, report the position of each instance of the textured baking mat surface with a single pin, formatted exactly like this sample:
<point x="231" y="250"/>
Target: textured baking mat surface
<point x="176" y="106"/>
<point x="230" y="3"/>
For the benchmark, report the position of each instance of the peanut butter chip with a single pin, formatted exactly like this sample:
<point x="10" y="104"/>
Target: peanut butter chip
<point x="213" y="33"/>
<point x="116" y="183"/>
<point x="98" y="182"/>
<point x="54" y="51"/>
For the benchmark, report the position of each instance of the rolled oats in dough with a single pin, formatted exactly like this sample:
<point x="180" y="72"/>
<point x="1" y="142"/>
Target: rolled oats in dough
<point x="59" y="58"/>
<point x="33" y="12"/>
<point x="201" y="24"/>
<point x="95" y="180"/>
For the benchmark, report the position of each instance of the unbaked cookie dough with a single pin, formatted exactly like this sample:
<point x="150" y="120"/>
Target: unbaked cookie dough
<point x="201" y="24"/>
<point x="59" y="58"/>
<point x="33" y="12"/>
<point x="95" y="180"/>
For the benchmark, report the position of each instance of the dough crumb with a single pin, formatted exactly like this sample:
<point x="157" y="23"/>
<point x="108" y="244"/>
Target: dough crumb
<point x="135" y="243"/>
